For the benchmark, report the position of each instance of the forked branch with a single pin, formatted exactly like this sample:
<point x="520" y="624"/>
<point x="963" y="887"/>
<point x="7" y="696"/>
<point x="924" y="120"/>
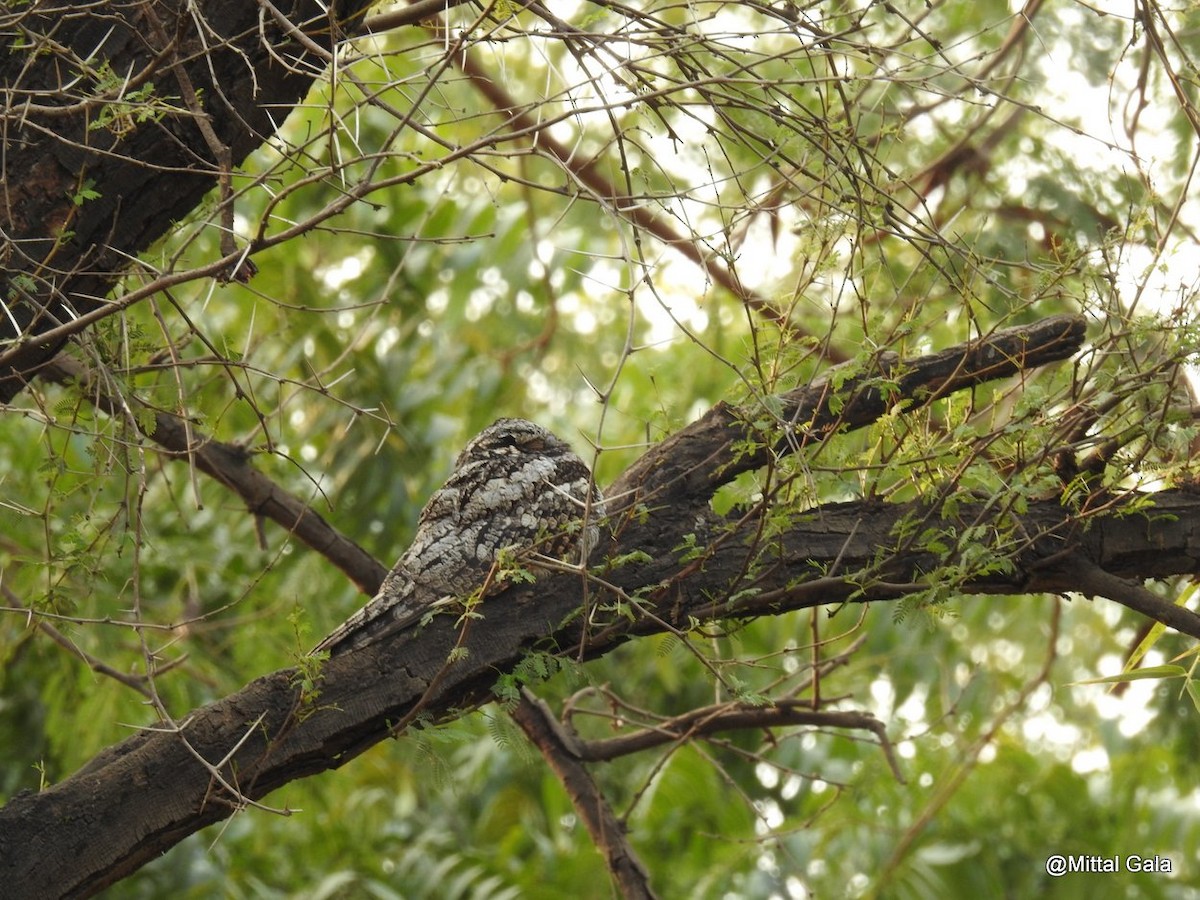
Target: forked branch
<point x="154" y="793"/>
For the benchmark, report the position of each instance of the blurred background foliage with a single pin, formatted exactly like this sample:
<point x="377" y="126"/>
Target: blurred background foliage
<point x="880" y="176"/>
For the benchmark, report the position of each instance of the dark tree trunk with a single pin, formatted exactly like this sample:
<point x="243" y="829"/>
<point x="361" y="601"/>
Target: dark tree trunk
<point x="98" y="165"/>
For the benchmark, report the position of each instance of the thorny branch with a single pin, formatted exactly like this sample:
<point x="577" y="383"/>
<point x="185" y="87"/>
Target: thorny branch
<point x="365" y="691"/>
<point x="232" y="466"/>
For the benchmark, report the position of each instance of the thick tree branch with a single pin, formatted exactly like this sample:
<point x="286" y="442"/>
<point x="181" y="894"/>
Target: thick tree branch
<point x="721" y="445"/>
<point x="138" y="798"/>
<point x="74" y="126"/>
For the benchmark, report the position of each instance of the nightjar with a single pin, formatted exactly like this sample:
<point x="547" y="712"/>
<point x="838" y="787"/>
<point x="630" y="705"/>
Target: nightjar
<point x="514" y="485"/>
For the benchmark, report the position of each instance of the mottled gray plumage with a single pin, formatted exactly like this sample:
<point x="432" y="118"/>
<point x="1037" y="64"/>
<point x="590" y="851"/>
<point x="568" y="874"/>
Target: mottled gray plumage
<point x="513" y="483"/>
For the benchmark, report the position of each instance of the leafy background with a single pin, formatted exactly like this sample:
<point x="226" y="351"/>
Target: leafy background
<point x="368" y="350"/>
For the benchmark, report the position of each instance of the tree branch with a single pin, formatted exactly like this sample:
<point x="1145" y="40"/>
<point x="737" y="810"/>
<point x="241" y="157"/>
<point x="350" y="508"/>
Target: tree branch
<point x="62" y="256"/>
<point x="635" y="209"/>
<point x="713" y="450"/>
<point x="154" y="793"/>
<point x="232" y="466"/>
<point x="733" y="716"/>
<point x="137" y="799"/>
<point x="607" y="831"/>
<point x="1092" y="581"/>
<point x="134" y="682"/>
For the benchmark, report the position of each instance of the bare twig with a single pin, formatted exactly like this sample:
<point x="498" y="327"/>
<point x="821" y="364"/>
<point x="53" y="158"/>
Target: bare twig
<point x="137" y="683"/>
<point x="231" y="465"/>
<point x="732" y="716"/>
<point x="588" y="172"/>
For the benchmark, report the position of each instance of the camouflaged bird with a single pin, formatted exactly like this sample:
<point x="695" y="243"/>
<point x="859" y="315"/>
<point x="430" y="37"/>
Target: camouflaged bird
<point x="513" y="486"/>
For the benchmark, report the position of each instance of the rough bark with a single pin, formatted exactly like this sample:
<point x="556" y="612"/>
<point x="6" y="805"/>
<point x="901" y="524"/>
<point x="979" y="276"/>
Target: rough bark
<point x="712" y="451"/>
<point x="68" y="71"/>
<point x="139" y="798"/>
<point x="66" y="134"/>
